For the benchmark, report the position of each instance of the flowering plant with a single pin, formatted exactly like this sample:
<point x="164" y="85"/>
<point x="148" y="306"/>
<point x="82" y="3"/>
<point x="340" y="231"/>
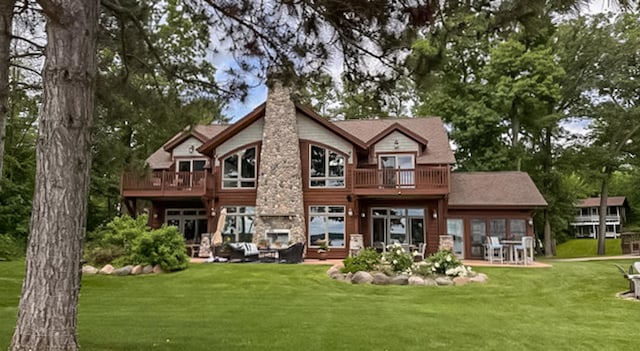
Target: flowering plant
<point x="399" y="260"/>
<point x="445" y="262"/>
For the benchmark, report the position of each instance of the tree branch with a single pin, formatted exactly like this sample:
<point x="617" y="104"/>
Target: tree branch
<point x="26" y="68"/>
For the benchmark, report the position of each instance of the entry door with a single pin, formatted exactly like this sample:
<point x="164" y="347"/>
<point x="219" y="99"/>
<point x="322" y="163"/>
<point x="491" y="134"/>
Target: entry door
<point x="397" y="170"/>
<point x="389" y="228"/>
<point x="455" y="228"/>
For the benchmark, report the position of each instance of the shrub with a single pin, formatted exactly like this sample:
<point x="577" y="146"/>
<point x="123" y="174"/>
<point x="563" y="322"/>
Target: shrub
<point x="113" y="241"/>
<point x="9" y="248"/>
<point x="399" y="260"/>
<point x="445" y="262"/>
<point x="164" y="247"/>
<point x="367" y="260"/>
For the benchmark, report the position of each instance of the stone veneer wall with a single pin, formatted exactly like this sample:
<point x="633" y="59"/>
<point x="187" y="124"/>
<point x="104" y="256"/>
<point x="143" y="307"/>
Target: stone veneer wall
<point x="279" y="200"/>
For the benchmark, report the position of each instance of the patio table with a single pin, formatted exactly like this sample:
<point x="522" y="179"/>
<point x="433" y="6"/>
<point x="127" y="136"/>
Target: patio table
<point x="511" y="244"/>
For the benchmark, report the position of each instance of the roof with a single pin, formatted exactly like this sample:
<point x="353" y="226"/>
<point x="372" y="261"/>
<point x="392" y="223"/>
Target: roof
<point x="496" y="189"/>
<point x="161" y="159"/>
<point x="595" y="201"/>
<point x="430" y="129"/>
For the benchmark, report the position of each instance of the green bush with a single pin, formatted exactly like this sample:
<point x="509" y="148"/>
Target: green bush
<point x="399" y="260"/>
<point x="367" y="260"/>
<point x="164" y="247"/>
<point x="445" y="262"/>
<point x="9" y="248"/>
<point x="112" y="242"/>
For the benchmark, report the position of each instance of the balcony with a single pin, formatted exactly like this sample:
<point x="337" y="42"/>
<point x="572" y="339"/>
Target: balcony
<point x="595" y="219"/>
<point x="418" y="181"/>
<point x="166" y="184"/>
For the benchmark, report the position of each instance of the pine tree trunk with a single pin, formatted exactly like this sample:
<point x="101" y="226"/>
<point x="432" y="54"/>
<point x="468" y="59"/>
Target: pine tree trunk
<point x="47" y="314"/>
<point x="6" y="19"/>
<point x="548" y="249"/>
<point x="602" y="230"/>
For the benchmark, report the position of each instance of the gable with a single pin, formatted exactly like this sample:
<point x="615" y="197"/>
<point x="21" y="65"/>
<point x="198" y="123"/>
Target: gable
<point x="187" y="148"/>
<point x="309" y="129"/>
<point x="394" y="142"/>
<point x="248" y="135"/>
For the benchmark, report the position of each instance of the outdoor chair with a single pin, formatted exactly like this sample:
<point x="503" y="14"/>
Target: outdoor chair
<point x="291" y="254"/>
<point x="380" y="247"/>
<point x="492" y="247"/>
<point x="418" y="256"/>
<point x="527" y="250"/>
<point x="244" y="252"/>
<point x="634" y="278"/>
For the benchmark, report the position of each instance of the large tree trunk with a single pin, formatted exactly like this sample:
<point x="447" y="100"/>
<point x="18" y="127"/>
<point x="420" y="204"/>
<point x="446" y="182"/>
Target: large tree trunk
<point x="548" y="245"/>
<point x="6" y="19"/>
<point x="604" y="195"/>
<point x="47" y="314"/>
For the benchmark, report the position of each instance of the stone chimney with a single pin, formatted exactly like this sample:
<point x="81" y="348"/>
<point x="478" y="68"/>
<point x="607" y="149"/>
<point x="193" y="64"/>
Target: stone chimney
<point x="279" y="200"/>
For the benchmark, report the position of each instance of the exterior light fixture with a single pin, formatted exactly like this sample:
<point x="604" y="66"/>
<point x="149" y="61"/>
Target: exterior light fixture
<point x="435" y="214"/>
<point x="191" y="149"/>
<point x="363" y="215"/>
<point x="350" y="212"/>
<point x="396" y="144"/>
<point x="530" y="221"/>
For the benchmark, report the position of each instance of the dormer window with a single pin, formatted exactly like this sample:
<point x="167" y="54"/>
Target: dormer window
<point x="326" y="168"/>
<point x="239" y="169"/>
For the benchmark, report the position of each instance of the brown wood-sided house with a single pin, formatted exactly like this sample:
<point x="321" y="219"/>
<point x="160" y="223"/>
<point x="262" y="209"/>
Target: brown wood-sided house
<point x="285" y="174"/>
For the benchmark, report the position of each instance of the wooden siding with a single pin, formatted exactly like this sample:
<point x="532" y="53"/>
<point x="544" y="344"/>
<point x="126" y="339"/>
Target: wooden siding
<point x="386" y="145"/>
<point x="183" y="148"/>
<point x="250" y="135"/>
<point x="314" y="132"/>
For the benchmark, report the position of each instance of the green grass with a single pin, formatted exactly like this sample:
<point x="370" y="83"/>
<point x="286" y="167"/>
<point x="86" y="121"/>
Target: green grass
<point x="587" y="247"/>
<point x="571" y="306"/>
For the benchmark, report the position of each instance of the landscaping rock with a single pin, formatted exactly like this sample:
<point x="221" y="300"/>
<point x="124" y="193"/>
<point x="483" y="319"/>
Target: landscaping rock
<point x="136" y="270"/>
<point x="400" y="280"/>
<point x="381" y="279"/>
<point x="362" y="278"/>
<point x="147" y="269"/>
<point x="480" y="278"/>
<point x="461" y="281"/>
<point x="157" y="269"/>
<point x="430" y="282"/>
<point x="443" y="281"/>
<point x="126" y="270"/>
<point x="415" y="280"/>
<point x="348" y="277"/>
<point x="108" y="269"/>
<point x="331" y="271"/>
<point x="86" y="269"/>
<point x="336" y="275"/>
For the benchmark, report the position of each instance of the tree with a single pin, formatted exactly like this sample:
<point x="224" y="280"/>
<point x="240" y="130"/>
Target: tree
<point x="6" y="25"/>
<point x="47" y="314"/>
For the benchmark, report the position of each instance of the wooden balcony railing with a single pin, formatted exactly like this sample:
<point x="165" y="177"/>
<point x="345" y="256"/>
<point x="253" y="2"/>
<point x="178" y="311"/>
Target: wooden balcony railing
<point x="421" y="178"/>
<point x="166" y="183"/>
<point x="596" y="219"/>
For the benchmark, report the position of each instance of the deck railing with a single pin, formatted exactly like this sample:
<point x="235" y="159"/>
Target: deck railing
<point x="418" y="178"/>
<point x="596" y="218"/>
<point x="164" y="182"/>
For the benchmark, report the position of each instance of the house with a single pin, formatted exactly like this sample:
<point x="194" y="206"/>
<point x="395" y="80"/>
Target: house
<point x="285" y="174"/>
<point x="586" y="222"/>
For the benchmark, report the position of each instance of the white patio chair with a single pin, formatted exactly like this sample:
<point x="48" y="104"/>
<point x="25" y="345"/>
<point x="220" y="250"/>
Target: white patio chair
<point x="526" y="248"/>
<point x="493" y="246"/>
<point x="419" y="254"/>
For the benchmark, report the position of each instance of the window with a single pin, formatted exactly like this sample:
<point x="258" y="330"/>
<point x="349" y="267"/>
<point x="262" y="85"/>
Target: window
<point x="190" y="165"/>
<point x="398" y="225"/>
<point x="397" y="170"/>
<point x="190" y="222"/>
<point x="239" y="225"/>
<point x="498" y="228"/>
<point x="327" y="223"/>
<point x="517" y="228"/>
<point x="326" y="168"/>
<point x="239" y="169"/>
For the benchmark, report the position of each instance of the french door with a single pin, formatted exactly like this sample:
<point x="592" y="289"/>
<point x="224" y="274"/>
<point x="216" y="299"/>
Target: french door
<point x="397" y="170"/>
<point x="398" y="225"/>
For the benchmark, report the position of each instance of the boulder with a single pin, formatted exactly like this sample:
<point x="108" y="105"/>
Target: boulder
<point x="86" y="269"/>
<point x="108" y="269"/>
<point x="136" y="270"/>
<point x="479" y="278"/>
<point x="400" y="280"/>
<point x="430" y="282"/>
<point x="147" y="269"/>
<point x="415" y="280"/>
<point x="126" y="270"/>
<point x="362" y="278"/>
<point x="461" y="281"/>
<point x="334" y="269"/>
<point x="443" y="281"/>
<point x="381" y="279"/>
<point x="335" y="274"/>
<point x="157" y="269"/>
<point x="348" y="277"/>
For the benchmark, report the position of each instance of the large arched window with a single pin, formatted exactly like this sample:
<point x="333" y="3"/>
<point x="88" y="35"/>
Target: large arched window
<point x="239" y="169"/>
<point x="326" y="168"/>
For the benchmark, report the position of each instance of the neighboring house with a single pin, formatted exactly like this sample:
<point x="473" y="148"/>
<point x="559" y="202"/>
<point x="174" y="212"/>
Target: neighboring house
<point x="286" y="174"/>
<point x="587" y="220"/>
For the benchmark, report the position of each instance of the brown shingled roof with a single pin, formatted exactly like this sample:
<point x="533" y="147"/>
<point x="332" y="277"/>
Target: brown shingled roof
<point x="430" y="128"/>
<point x="595" y="201"/>
<point x="499" y="189"/>
<point x="161" y="159"/>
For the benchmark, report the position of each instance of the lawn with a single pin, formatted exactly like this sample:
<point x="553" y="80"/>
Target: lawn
<point x="587" y="247"/>
<point x="571" y="306"/>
